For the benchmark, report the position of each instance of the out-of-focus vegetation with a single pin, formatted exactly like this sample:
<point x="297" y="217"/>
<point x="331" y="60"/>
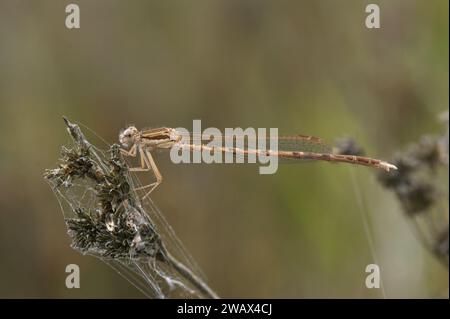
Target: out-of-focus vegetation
<point x="307" y="67"/>
<point x="421" y="186"/>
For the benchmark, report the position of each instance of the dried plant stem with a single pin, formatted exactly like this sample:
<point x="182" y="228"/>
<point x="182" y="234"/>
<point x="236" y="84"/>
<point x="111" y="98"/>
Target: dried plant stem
<point x="190" y="276"/>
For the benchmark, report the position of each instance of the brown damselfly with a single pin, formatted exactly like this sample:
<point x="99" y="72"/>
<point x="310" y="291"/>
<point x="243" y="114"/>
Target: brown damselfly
<point x="289" y="148"/>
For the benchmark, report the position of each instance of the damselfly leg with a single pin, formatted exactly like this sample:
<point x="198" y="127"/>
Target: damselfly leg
<point x="147" y="163"/>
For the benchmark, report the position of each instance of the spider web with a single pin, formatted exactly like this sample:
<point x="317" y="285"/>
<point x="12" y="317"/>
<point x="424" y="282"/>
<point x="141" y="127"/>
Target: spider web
<point x="107" y="219"/>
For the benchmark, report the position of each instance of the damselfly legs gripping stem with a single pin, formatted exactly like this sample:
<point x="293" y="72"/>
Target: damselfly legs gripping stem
<point x="105" y="218"/>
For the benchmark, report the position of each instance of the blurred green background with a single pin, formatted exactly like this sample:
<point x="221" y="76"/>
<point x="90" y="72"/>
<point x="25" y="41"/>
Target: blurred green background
<point x="307" y="67"/>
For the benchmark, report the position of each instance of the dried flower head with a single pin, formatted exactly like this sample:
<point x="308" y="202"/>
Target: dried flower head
<point x="105" y="218"/>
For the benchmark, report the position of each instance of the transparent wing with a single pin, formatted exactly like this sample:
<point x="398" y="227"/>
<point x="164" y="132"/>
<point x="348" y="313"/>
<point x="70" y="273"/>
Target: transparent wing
<point x="305" y="143"/>
<point x="285" y="143"/>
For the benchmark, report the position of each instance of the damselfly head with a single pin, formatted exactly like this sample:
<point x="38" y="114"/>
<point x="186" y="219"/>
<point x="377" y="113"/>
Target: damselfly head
<point x="129" y="136"/>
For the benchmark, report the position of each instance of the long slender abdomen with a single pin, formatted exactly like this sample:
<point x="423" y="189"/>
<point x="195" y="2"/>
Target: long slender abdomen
<point x="351" y="159"/>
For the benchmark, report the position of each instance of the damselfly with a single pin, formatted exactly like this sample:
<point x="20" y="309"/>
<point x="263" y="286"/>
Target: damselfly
<point x="293" y="147"/>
